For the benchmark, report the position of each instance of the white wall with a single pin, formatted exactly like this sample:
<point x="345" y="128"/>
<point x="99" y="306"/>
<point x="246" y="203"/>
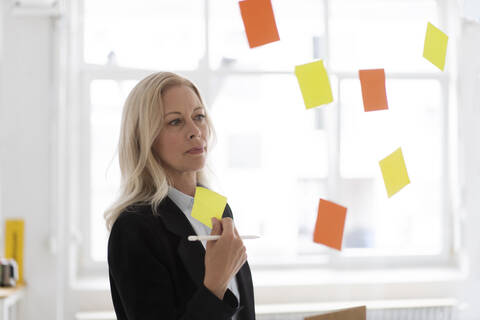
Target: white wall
<point x="25" y="111"/>
<point x="469" y="136"/>
<point x="27" y="115"/>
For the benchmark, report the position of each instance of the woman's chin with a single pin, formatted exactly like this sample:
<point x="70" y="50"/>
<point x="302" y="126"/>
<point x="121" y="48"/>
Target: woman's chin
<point x="197" y="166"/>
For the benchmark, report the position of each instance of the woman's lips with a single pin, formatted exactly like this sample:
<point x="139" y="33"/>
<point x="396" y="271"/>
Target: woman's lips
<point x="195" y="151"/>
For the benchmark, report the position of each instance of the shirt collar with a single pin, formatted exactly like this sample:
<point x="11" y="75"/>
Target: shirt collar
<point x="182" y="200"/>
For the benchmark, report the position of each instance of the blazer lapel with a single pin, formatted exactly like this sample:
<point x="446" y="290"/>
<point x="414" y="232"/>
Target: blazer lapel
<point x="244" y="282"/>
<point x="192" y="253"/>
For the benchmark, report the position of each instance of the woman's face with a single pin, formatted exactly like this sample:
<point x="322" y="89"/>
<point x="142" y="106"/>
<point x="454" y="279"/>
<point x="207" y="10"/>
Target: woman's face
<point x="182" y="141"/>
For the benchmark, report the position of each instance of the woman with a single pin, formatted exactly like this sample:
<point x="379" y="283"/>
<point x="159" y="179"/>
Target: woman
<point x="155" y="272"/>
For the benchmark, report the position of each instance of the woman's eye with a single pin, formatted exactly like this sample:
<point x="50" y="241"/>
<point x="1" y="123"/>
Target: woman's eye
<point x="174" y="122"/>
<point x="200" y="116"/>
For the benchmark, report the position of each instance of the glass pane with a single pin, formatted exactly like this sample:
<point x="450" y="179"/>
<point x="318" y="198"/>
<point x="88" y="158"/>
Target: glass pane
<point x="150" y="34"/>
<point x="414" y="123"/>
<point x="380" y="34"/>
<point x="300" y="25"/>
<point x="106" y="98"/>
<point x="278" y="147"/>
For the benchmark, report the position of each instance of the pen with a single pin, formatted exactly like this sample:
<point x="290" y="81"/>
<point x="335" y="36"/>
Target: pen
<point x="216" y="237"/>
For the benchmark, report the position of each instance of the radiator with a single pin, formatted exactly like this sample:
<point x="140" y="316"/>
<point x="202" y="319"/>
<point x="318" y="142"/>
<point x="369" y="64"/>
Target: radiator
<point x="432" y="313"/>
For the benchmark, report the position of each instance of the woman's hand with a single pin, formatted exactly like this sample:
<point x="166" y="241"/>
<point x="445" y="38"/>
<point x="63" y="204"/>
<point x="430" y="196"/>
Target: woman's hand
<point x="223" y="257"/>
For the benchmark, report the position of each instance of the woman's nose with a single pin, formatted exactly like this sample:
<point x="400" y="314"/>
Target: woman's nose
<point x="194" y="130"/>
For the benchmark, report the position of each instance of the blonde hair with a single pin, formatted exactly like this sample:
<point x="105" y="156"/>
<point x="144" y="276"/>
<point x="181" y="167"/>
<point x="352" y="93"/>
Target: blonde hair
<point x="143" y="179"/>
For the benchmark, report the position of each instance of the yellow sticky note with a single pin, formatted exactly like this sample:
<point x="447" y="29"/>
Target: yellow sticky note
<point x="394" y="172"/>
<point x="314" y="84"/>
<point x="14" y="231"/>
<point x="435" y="48"/>
<point x="208" y="204"/>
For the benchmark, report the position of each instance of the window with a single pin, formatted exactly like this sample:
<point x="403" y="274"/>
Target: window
<point x="274" y="159"/>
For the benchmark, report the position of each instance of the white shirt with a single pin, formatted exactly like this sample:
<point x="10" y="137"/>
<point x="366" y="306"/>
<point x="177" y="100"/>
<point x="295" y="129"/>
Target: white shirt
<point x="185" y="203"/>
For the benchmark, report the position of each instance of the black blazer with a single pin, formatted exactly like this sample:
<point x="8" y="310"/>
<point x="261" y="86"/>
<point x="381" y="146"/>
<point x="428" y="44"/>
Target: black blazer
<point x="156" y="273"/>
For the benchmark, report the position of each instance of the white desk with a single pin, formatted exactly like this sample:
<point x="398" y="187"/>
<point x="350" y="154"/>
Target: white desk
<point x="10" y="302"/>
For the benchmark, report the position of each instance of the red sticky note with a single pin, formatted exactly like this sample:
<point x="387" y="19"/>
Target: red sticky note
<point x="259" y="22"/>
<point x="373" y="89"/>
<point x="330" y="224"/>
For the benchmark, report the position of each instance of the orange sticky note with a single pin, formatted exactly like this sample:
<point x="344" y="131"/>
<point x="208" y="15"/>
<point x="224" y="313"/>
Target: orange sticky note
<point x="330" y="224"/>
<point x="259" y="22"/>
<point x="373" y="89"/>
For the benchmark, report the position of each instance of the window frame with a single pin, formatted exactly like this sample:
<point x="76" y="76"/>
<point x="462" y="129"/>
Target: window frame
<point x="83" y="266"/>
